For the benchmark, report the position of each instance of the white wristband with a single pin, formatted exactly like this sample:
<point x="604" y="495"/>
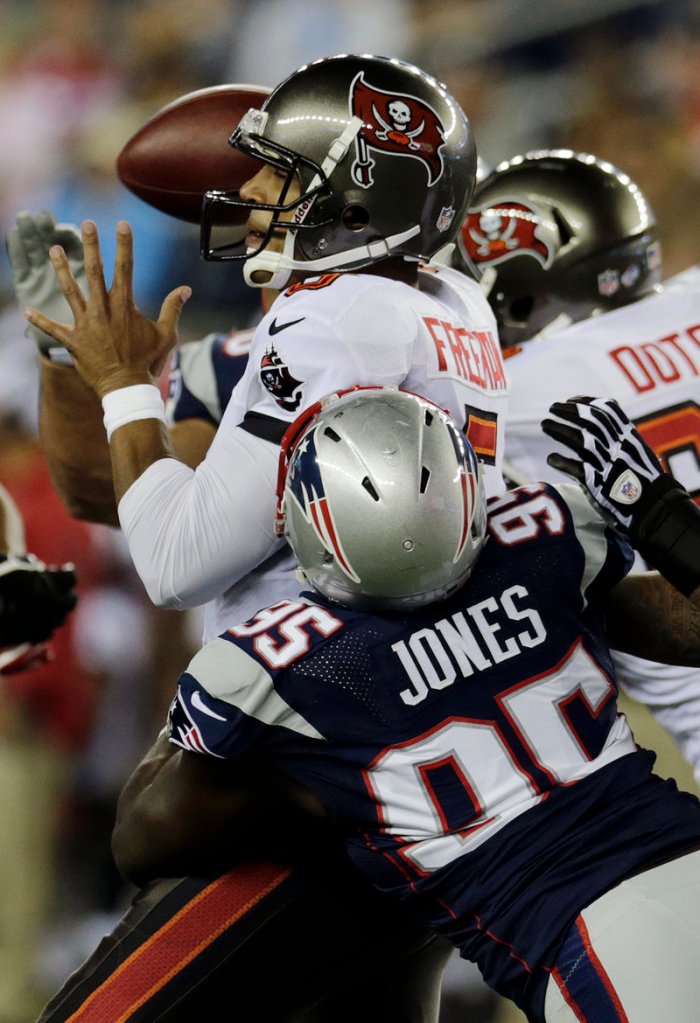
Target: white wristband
<point x="128" y="404"/>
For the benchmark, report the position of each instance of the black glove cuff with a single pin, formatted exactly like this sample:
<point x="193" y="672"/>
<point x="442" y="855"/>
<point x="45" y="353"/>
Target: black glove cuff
<point x="668" y="535"/>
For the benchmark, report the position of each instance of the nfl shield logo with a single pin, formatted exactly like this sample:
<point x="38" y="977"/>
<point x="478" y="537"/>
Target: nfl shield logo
<point x="608" y="282"/>
<point x="447" y="215"/>
<point x="629" y="491"/>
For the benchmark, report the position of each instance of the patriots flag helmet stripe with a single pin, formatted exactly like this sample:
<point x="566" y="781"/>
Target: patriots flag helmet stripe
<point x="307" y="488"/>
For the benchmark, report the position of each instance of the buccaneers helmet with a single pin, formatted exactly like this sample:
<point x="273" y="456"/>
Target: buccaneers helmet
<point x="558" y="236"/>
<point x="381" y="499"/>
<point x="382" y="154"/>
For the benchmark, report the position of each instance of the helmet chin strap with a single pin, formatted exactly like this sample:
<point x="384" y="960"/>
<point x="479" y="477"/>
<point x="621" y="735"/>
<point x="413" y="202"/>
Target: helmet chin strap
<point x="273" y="269"/>
<point x="270" y="269"/>
<point x="277" y="266"/>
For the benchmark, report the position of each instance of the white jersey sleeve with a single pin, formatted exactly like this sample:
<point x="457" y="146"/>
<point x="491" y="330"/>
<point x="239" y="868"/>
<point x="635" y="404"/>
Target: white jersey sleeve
<point x="191" y="533"/>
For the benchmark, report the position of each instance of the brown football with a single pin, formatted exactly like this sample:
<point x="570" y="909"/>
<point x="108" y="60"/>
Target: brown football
<point x="182" y="151"/>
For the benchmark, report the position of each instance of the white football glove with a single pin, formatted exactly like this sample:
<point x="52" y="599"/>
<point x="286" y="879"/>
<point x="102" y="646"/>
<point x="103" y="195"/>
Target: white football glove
<point x="33" y="276"/>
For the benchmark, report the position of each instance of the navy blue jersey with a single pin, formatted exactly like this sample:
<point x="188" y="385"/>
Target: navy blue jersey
<point x="471" y="752"/>
<point x="204" y="373"/>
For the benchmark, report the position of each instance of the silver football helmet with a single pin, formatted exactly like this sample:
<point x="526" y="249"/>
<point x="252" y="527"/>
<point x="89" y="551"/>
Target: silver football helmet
<point x="382" y="500"/>
<point x="384" y="159"/>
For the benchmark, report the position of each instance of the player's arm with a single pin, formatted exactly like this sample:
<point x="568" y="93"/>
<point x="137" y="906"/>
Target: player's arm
<point x="650" y="618"/>
<point x="183" y="813"/>
<point x="70" y="413"/>
<point x="190" y="535"/>
<point x="76" y="447"/>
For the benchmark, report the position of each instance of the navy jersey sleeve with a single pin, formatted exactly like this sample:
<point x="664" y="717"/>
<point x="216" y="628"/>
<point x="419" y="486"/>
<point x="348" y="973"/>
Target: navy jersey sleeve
<point x="226" y="704"/>
<point x="203" y="375"/>
<point x="534" y="520"/>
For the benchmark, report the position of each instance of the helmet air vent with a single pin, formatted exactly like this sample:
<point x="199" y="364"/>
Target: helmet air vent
<point x="367" y="484"/>
<point x="565" y="232"/>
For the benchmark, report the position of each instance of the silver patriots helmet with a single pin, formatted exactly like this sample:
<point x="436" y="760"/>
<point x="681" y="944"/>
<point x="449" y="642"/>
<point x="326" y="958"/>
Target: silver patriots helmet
<point x="381" y="500"/>
<point x="384" y="158"/>
<point x="559" y="236"/>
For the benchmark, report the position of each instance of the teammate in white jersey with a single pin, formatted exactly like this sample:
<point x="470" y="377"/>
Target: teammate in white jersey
<point x="368" y="166"/>
<point x="568" y="248"/>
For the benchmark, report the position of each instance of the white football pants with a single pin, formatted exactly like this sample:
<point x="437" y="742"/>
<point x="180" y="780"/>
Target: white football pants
<point x="633" y="955"/>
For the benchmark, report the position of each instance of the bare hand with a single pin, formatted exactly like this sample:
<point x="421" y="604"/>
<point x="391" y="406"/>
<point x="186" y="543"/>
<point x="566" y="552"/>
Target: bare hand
<point x="112" y="342"/>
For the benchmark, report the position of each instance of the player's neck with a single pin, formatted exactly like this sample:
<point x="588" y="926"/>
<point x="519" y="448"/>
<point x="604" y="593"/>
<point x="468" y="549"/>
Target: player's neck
<point x="396" y="269"/>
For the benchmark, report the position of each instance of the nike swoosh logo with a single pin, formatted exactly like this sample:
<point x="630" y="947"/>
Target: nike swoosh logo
<point x="276" y="327"/>
<point x="198" y="702"/>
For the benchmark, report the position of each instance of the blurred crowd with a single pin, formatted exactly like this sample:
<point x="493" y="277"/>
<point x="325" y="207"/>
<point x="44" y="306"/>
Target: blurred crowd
<point x="77" y="79"/>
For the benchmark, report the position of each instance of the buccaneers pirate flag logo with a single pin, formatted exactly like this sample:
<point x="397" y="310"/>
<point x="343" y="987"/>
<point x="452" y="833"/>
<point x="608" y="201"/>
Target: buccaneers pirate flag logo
<point x="276" y="378"/>
<point x="504" y="229"/>
<point x="395" y="123"/>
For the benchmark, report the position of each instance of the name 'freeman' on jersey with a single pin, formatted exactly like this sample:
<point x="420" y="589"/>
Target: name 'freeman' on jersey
<point x="425" y="657"/>
<point x="473" y="355"/>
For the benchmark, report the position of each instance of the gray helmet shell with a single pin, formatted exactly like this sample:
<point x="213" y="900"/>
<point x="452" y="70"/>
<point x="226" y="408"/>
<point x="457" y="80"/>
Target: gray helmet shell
<point x="383" y="502"/>
<point x="558" y="235"/>
<point x="382" y="152"/>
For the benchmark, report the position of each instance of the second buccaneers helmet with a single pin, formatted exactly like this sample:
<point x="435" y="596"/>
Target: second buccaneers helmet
<point x="384" y="159"/>
<point x="558" y="235"/>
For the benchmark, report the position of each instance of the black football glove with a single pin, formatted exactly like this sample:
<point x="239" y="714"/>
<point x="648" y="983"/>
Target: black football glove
<point x="34" y="599"/>
<point x="625" y="480"/>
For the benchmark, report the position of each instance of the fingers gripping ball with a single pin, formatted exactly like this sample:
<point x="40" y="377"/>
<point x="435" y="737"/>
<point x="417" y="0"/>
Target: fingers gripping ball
<point x="625" y="480"/>
<point x="34" y="599"/>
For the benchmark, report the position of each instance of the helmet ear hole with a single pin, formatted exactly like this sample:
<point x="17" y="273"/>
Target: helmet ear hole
<point x="355" y="217"/>
<point x="520" y="309"/>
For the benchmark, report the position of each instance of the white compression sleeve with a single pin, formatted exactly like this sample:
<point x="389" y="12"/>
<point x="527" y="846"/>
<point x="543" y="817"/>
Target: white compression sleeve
<point x="192" y="534"/>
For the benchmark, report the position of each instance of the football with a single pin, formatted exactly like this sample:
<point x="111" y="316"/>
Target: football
<point x="182" y="151"/>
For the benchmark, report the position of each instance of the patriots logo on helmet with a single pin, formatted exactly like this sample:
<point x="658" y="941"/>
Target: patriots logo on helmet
<point x="395" y="123"/>
<point x="500" y="230"/>
<point x="276" y="378"/>
<point x="306" y="485"/>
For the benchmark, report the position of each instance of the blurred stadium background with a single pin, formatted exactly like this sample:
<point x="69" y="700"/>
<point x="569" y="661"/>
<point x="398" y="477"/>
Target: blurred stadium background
<point x="618" y="78"/>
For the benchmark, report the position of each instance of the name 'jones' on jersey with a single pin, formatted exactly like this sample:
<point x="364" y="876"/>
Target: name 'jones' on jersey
<point x="473" y="644"/>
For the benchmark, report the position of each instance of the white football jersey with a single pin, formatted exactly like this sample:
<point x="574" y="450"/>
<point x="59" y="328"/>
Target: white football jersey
<point x="646" y="356"/>
<point x="340" y="330"/>
<point x="191" y="533"/>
